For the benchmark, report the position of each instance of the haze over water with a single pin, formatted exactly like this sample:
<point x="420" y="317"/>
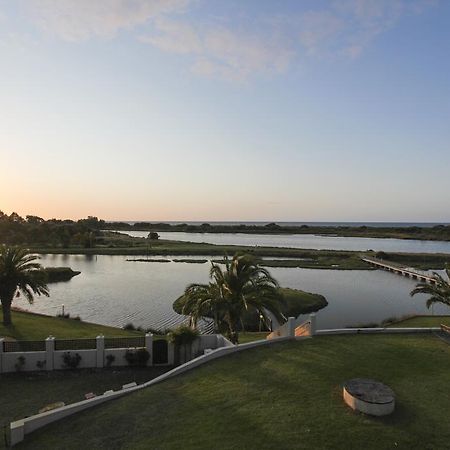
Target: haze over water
<point x="306" y="241"/>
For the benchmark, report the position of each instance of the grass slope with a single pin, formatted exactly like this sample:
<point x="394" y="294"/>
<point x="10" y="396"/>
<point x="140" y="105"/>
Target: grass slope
<point x="287" y="396"/>
<point x="28" y="326"/>
<point x="23" y="394"/>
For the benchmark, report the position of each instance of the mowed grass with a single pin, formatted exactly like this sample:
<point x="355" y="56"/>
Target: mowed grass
<point x="23" y="394"/>
<point x="286" y="396"/>
<point x="250" y="336"/>
<point x="422" y="321"/>
<point x="28" y="326"/>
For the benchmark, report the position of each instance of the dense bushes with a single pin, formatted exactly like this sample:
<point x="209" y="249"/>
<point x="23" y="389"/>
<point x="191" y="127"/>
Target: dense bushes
<point x="33" y="230"/>
<point x="137" y="358"/>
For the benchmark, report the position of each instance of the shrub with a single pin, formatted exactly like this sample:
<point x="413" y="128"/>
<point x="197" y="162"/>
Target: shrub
<point x="63" y="316"/>
<point x="20" y="363"/>
<point x="137" y="358"/>
<point x="130" y="326"/>
<point x="71" y="361"/>
<point x="109" y="360"/>
<point x="41" y="364"/>
<point x="183" y="335"/>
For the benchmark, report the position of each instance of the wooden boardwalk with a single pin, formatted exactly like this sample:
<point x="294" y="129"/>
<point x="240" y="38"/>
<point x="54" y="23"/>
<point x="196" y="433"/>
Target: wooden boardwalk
<point x="400" y="270"/>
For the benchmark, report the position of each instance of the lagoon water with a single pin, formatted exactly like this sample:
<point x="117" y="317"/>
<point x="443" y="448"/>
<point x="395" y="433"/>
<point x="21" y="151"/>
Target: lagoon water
<point x="309" y="241"/>
<point x="113" y="291"/>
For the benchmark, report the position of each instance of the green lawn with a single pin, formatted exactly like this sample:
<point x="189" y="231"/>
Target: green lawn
<point x="249" y="336"/>
<point x="422" y="321"/>
<point x="286" y="396"/>
<point x="23" y="394"/>
<point x="28" y="326"/>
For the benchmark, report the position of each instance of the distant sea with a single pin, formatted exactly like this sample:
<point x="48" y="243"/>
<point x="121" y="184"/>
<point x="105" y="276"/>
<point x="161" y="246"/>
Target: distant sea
<point x="299" y="224"/>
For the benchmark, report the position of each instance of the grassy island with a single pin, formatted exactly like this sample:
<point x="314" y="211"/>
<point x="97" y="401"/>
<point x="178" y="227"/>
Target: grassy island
<point x="55" y="274"/>
<point x="120" y="244"/>
<point x="92" y="236"/>
<point x="295" y="302"/>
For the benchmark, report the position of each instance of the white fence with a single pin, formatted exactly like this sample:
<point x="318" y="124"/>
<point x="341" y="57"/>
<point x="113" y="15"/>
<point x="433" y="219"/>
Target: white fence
<point x="20" y="428"/>
<point x="94" y="353"/>
<point x="219" y="346"/>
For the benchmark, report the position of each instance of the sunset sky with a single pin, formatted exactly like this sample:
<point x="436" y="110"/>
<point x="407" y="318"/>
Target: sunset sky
<point x="302" y="110"/>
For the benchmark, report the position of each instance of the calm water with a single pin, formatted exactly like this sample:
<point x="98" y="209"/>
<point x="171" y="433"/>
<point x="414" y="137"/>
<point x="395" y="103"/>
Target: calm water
<point x="112" y="291"/>
<point x="307" y="241"/>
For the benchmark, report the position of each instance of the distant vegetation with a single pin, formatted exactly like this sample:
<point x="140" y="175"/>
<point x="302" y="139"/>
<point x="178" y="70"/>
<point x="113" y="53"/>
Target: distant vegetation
<point x="93" y="236"/>
<point x="436" y="233"/>
<point x="33" y="230"/>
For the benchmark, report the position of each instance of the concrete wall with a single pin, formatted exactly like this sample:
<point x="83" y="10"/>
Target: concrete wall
<point x="119" y="355"/>
<point x="20" y="428"/>
<point x="88" y="358"/>
<point x="10" y="359"/>
<point x="97" y="358"/>
<point x="92" y="358"/>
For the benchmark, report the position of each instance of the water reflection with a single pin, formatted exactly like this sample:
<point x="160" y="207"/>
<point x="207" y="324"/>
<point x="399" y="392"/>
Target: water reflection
<point x="307" y="241"/>
<point x="112" y="291"/>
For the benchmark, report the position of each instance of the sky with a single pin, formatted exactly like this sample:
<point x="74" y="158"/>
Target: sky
<point x="240" y="110"/>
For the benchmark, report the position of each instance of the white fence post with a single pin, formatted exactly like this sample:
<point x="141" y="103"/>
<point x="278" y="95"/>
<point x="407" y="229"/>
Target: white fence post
<point x="291" y="327"/>
<point x="171" y="354"/>
<point x="1" y="354"/>
<point x="49" y="353"/>
<point x="100" y="346"/>
<point x="149" y="347"/>
<point x="313" y="324"/>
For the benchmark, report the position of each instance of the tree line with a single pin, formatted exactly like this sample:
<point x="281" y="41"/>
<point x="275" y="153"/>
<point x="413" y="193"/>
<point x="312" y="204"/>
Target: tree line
<point x="34" y="230"/>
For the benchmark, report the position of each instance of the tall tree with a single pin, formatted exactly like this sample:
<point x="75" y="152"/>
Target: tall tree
<point x="20" y="274"/>
<point x="243" y="286"/>
<point x="438" y="292"/>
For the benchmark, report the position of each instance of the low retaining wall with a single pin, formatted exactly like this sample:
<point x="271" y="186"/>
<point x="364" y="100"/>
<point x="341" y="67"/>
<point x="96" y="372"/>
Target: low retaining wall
<point x="376" y="331"/>
<point x="20" y="428"/>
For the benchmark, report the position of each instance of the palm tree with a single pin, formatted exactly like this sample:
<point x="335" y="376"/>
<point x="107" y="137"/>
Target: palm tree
<point x="439" y="292"/>
<point x="19" y="274"/>
<point x="243" y="286"/>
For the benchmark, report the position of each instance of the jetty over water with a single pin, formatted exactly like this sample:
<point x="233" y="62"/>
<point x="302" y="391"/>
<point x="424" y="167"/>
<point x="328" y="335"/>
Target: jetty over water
<point x="400" y="270"/>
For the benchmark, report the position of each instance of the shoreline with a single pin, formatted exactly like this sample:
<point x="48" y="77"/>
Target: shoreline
<point x="434" y="233"/>
<point x="291" y="257"/>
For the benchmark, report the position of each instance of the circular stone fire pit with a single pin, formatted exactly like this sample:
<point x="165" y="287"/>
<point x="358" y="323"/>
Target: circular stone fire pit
<point x="369" y="397"/>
